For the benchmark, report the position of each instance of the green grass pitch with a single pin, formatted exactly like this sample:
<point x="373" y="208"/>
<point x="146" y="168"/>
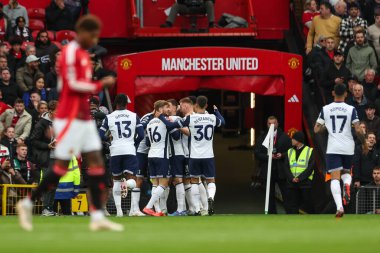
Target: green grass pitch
<point x="220" y="233"/>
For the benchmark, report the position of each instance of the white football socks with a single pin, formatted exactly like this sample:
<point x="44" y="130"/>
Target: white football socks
<point x="203" y="196"/>
<point x="156" y="193"/>
<point x="211" y="188"/>
<point x="337" y="193"/>
<point x="163" y="200"/>
<point x="346" y="178"/>
<point x="135" y="200"/>
<point x="116" y="192"/>
<point x="97" y="215"/>
<point x="189" y="197"/>
<point x="195" y="197"/>
<point x="180" y="194"/>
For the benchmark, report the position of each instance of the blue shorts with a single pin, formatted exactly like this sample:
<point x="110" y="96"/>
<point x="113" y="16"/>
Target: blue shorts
<point x="158" y="168"/>
<point x="202" y="168"/>
<point x="177" y="166"/>
<point x="336" y="162"/>
<point x="123" y="164"/>
<point x="142" y="159"/>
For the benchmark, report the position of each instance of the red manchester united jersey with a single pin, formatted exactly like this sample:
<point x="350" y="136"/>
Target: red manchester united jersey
<point x="75" y="83"/>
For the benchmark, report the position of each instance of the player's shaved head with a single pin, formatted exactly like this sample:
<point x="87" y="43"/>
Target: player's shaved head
<point x="186" y="100"/>
<point x="121" y="101"/>
<point x="202" y="102"/>
<point x="340" y="90"/>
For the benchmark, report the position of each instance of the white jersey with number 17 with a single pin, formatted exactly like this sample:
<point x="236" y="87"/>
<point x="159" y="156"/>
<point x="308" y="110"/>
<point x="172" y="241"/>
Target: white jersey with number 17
<point x="338" y="118"/>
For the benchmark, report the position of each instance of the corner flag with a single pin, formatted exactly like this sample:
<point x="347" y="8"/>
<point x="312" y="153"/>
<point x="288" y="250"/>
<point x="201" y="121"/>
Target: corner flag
<point x="268" y="143"/>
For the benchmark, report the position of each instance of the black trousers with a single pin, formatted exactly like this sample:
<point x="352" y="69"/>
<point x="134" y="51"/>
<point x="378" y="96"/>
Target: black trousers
<point x="299" y="198"/>
<point x="272" y="194"/>
<point x="48" y="196"/>
<point x="65" y="206"/>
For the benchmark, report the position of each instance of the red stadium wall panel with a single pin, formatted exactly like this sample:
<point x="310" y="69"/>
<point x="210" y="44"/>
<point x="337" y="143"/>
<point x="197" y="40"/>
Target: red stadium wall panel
<point x="237" y="69"/>
<point x="267" y="19"/>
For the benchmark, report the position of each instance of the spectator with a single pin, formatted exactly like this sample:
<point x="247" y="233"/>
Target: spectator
<point x="184" y="7"/>
<point x="365" y="159"/>
<point x="340" y="9"/>
<point x="42" y="108"/>
<point x="22" y="165"/>
<point x="372" y="121"/>
<point x="369" y="10"/>
<point x="358" y="100"/>
<point x="311" y="10"/>
<point x="43" y="143"/>
<point x="30" y="50"/>
<point x="59" y="17"/>
<point x="325" y="24"/>
<point x="8" y="140"/>
<point x="9" y="88"/>
<point x="44" y="49"/>
<point x="51" y="83"/>
<point x="352" y="43"/>
<point x="9" y="176"/>
<point x="347" y="26"/>
<point x="18" y="118"/>
<point x="39" y="89"/>
<point x="361" y="57"/>
<point x="363" y="127"/>
<point x="282" y="144"/>
<point x="373" y="35"/>
<point x="3" y="106"/>
<point x="299" y="169"/>
<point x="4" y="50"/>
<point x="68" y="188"/>
<point x="22" y="31"/>
<point x="98" y="52"/>
<point x="3" y="62"/>
<point x="27" y="74"/>
<point x="325" y="57"/>
<point x="370" y="88"/>
<point x="34" y="98"/>
<point x="337" y="73"/>
<point x="16" y="57"/>
<point x="4" y="25"/>
<point x="314" y="54"/>
<point x="14" y="10"/>
<point x="352" y="80"/>
<point x="77" y="7"/>
<point x="375" y="190"/>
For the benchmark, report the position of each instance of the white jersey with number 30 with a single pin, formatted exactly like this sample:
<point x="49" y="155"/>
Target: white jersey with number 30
<point x="338" y="119"/>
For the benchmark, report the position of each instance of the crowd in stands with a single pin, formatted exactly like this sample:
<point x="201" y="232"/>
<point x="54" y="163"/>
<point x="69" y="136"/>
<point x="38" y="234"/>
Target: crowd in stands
<point x="28" y="86"/>
<point x="343" y="46"/>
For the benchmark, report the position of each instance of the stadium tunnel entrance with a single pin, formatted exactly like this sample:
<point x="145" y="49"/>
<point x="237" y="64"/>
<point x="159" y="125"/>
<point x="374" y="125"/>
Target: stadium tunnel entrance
<point x="247" y="85"/>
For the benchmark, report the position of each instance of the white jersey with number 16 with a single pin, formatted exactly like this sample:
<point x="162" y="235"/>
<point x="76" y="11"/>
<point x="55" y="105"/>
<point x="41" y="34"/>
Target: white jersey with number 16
<point x="338" y="119"/>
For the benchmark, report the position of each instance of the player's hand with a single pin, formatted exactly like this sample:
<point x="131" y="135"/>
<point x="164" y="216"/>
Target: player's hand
<point x="357" y="184"/>
<point x="108" y="81"/>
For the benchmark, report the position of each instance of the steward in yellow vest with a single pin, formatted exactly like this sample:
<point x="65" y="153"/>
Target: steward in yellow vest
<point x="299" y="169"/>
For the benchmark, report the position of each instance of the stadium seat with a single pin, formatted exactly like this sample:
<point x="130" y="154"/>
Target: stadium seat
<point x="36" y="13"/>
<point x="59" y="45"/>
<point x="65" y="35"/>
<point x="25" y="44"/>
<point x="36" y="24"/>
<point x="51" y="35"/>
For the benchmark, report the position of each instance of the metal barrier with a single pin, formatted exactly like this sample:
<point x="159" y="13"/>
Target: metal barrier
<point x="368" y="200"/>
<point x="11" y="193"/>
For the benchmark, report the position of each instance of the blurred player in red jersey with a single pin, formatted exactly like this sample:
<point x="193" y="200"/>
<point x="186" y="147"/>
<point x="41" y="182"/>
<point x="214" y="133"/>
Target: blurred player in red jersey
<point x="76" y="132"/>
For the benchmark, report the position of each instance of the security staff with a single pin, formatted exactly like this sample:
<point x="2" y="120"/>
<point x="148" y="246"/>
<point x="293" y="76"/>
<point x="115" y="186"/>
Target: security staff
<point x="299" y="169"/>
<point x="68" y="187"/>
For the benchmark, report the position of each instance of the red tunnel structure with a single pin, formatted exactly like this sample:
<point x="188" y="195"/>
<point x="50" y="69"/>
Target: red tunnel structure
<point x="238" y="69"/>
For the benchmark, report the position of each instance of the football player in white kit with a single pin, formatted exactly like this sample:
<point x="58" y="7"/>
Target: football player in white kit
<point x="201" y="162"/>
<point x="177" y="162"/>
<point x="158" y="156"/>
<point x="127" y="132"/>
<point x="337" y="119"/>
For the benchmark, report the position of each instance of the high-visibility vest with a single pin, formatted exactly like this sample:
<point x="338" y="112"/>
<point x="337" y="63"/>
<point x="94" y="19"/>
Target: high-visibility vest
<point x="300" y="165"/>
<point x="68" y="186"/>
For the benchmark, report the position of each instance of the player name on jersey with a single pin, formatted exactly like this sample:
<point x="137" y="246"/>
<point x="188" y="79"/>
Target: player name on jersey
<point x="209" y="64"/>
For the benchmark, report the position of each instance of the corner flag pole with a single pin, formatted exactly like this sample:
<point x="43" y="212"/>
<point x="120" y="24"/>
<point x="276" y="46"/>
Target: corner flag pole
<point x="268" y="143"/>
